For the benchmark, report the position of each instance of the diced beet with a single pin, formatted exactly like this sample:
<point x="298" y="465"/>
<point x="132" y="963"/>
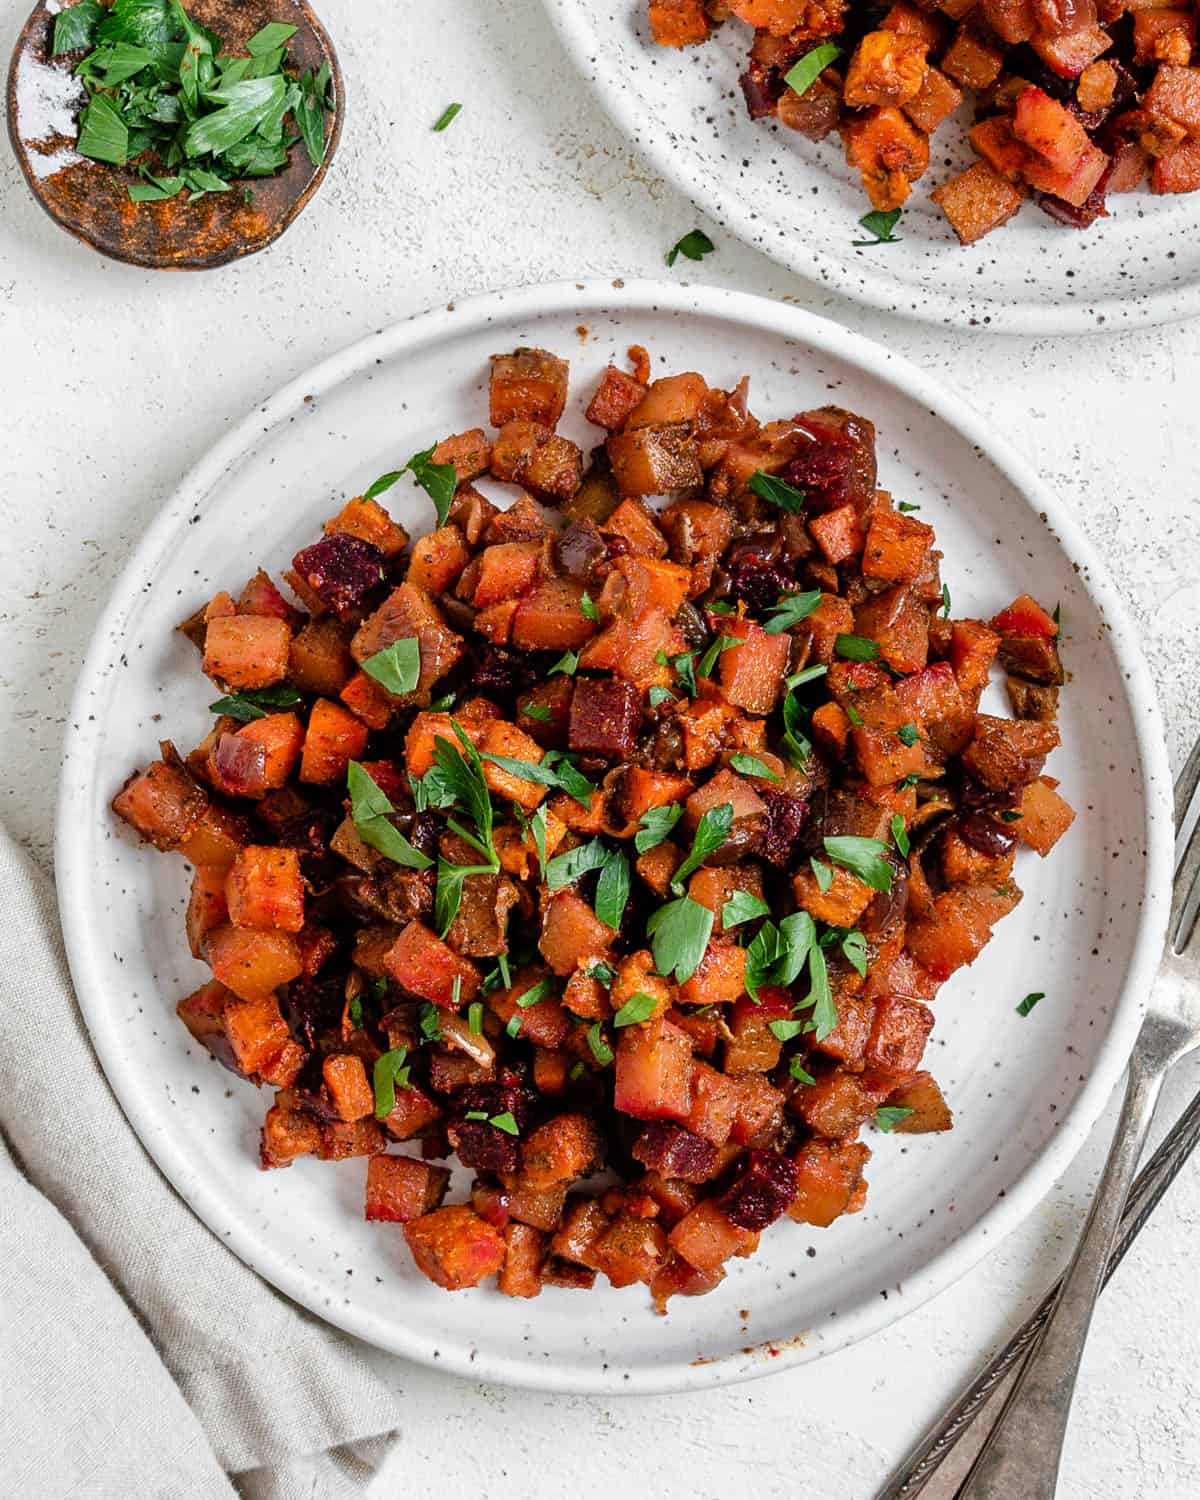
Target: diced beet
<point x="341" y="570"/>
<point x="786" y="816"/>
<point x="837" y="464"/>
<point x="313" y="1007"/>
<point x="675" y="1152"/>
<point x="503" y="674"/>
<point x="759" y="582"/>
<point x="483" y="1147"/>
<point x="762" y="1191"/>
<point x="606" y="714"/>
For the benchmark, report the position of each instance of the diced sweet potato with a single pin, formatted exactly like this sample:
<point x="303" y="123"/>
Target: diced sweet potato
<point x="888" y="152"/>
<point x="345" y="1077"/>
<point x="814" y="113"/>
<point x="897" y="547"/>
<point x="836" y="1105"/>
<point x="930" y="1112"/>
<point x="828" y="1173"/>
<point x="550" y="618"/>
<point x="163" y="803"/>
<point x="248" y="1035"/>
<point x="1007" y="754"/>
<point x="631" y="1250"/>
<point x="530" y="454"/>
<point x="454" y="1247"/>
<point x="524" y="1252"/>
<point x="414" y="1112"/>
<point x="206" y="907"/>
<point x="898" y="1035"/>
<point x="560" y="1151"/>
<point x="1045" y="817"/>
<point x="977" y="201"/>
<point x="343" y="1139"/>
<point x="319" y="658"/>
<point x="251" y="963"/>
<point x="935" y="101"/>
<point x="706" y="1239"/>
<point x="1175" y="93"/>
<point x="504" y="739"/>
<point x="633" y="523"/>
<point x="572" y="932"/>
<point x="287" y="1133"/>
<point x="653" y="1072"/>
<point x="1177" y="170"/>
<point x="654" y="460"/>
<point x="438" y="559"/>
<point x="422" y="964"/>
<point x="333" y="739"/>
<point x="1047" y="128"/>
<point x="841" y="905"/>
<point x="618" y="393"/>
<point x="469" y="452"/>
<point x="958" y="927"/>
<point x="887" y="67"/>
<point x="751" y="674"/>
<point x="719" y="978"/>
<point x="529" y="385"/>
<point x="971" y="62"/>
<point x="264" y="889"/>
<point x="839" y="533"/>
<point x="247" y="651"/>
<point x="401" y="1189"/>
<point x="752" y="1046"/>
<point x="409" y="612"/>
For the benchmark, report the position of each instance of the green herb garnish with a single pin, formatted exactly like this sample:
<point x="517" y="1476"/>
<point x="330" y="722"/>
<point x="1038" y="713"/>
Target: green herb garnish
<point x="612" y="890"/>
<point x="711" y="833"/>
<point x="789" y="610"/>
<point x="900" y="834"/>
<point x="856" y="647"/>
<point x="905" y="508"/>
<point x="822" y="873"/>
<point x="448" y="114"/>
<point x="750" y="765"/>
<point x="439" y="481"/>
<point x="945" y="601"/>
<point x="256" y="703"/>
<point x="802" y="75"/>
<point x="866" y="858"/>
<point x="679" y="933"/>
<point x="567" y="663"/>
<point x="537" y="711"/>
<point x="391" y="1073"/>
<point x="880" y="223"/>
<point x="888" y="1116"/>
<point x="601" y="1051"/>
<point x="797" y="1070"/>
<point x="637" y="1008"/>
<point x="908" y="734"/>
<point x="694" y="245"/>
<point x="655" y="825"/>
<point x="370" y="809"/>
<point x="397" y="667"/>
<point x="588" y="608"/>
<point x="1030" y="1001"/>
<point x="661" y="695"/>
<point x="776" y="492"/>
<point x="743" y="907"/>
<point x="723" y="643"/>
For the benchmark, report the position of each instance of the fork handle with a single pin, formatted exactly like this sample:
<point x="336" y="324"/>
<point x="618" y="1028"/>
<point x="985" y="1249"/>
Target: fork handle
<point x="1022" y="1452"/>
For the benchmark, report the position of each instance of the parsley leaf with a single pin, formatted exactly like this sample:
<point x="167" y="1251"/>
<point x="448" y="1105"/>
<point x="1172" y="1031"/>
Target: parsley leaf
<point x="475" y="1018"/>
<point x="888" y="1116"/>
<point x="820" y="996"/>
<point x="679" y="933"/>
<point x="397" y="667"/>
<point x="808" y="674"/>
<point x="76" y="26"/>
<point x="568" y="662"/>
<point x="821" y="873"/>
<point x="856" y="647"/>
<point x="439" y="481"/>
<point x="796" y="1069"/>
<point x="537" y="711"/>
<point x="854" y="949"/>
<point x="906" y="508"/>
<point x="391" y="1073"/>
<point x="908" y="734"/>
<point x="461" y="774"/>
<point x="542" y="990"/>
<point x="448" y="114"/>
<point x="743" y="907"/>
<point x="612" y="890"/>
<point x="750" y="765"/>
<point x="637" y="1008"/>
<point x="945" y="601"/>
<point x="900" y="834"/>
<point x="864" y="857"/>
<point x="711" y="833"/>
<point x="655" y="825"/>
<point x="601" y="1051"/>
<point x="564" y="868"/>
<point x="447" y="896"/>
<point x="694" y="245"/>
<point x="369" y="811"/>
<point x="880" y="223"/>
<point x="723" y="643"/>
<point x="777" y="492"/>
<point x="256" y="703"/>
<point x="588" y="608"/>
<point x="506" y="1122"/>
<point x="661" y="695"/>
<point x="384" y="482"/>
<point x="790" y="609"/>
<point x="1030" y="1001"/>
<point x="805" y="73"/>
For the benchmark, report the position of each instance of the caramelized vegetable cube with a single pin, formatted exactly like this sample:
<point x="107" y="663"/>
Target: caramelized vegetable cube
<point x="454" y="1247"/>
<point x="401" y="1189"/>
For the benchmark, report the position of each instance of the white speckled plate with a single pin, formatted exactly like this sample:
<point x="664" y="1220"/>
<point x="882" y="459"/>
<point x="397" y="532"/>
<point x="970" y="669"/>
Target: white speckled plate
<point x="1025" y="1091"/>
<point x="799" y="202"/>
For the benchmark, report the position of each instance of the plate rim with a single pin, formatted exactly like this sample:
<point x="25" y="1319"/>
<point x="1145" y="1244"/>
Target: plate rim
<point x="874" y="285"/>
<point x="740" y="309"/>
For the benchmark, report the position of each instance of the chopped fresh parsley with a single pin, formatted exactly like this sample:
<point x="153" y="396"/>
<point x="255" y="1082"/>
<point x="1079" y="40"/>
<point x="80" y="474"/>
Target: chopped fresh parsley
<point x="822" y="874"/>
<point x="391" y="1073"/>
<point x="564" y="868"/>
<point x="1010" y="815"/>
<point x="537" y="711"/>
<point x="797" y="1070"/>
<point x="475" y="1018"/>
<point x="789" y="610"/>
<point x="370" y="810"/>
<point x="601" y="1051"/>
<point x="743" y="907"/>
<point x="612" y="890"/>
<point x="694" y="245"/>
<point x="905" y="507"/>
<point x="723" y="643"/>
<point x="750" y="765"/>
<point x="880" y="223"/>
<point x="679" y="933"/>
<point x="567" y="663"/>
<point x="908" y="734"/>
<point x="777" y="492"/>
<point x="256" y="703"/>
<point x="856" y="647"/>
<point x="439" y="481"/>
<point x="945" y="601"/>
<point x="888" y="1116"/>
<point x="803" y="74"/>
<point x="588" y="608"/>
<point x="866" y="858"/>
<point x="602" y="973"/>
<point x="900" y="834"/>
<point x="397" y="667"/>
<point x="655" y="825"/>
<point x="637" y="1008"/>
<point x="661" y="695"/>
<point x="807" y="674"/>
<point x="506" y="1122"/>
<point x="446" y="116"/>
<point x="1030" y="1001"/>
<point x="854" y="950"/>
<point x="711" y="833"/>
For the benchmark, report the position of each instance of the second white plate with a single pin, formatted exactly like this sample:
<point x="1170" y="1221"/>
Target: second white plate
<point x="800" y="203"/>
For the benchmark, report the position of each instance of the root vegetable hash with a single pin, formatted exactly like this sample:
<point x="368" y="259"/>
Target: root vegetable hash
<point x="1073" y="99"/>
<point x="585" y="838"/>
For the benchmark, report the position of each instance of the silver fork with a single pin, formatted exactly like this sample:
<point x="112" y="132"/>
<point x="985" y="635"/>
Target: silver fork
<point x="1021" y="1455"/>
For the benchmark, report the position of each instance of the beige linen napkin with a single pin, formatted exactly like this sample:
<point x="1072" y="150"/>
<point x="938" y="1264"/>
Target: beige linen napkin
<point x="138" y="1356"/>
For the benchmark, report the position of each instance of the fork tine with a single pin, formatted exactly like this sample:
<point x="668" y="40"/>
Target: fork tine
<point x="1185" y="903"/>
<point x="1185" y="787"/>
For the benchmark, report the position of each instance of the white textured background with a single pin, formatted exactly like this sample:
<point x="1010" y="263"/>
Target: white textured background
<point x="114" y="381"/>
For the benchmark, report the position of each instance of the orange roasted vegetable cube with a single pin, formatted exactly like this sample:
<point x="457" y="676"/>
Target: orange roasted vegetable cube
<point x="400" y="1188"/>
<point x="720" y="976"/>
<point x="618" y="393"/>
<point x="563" y="1149"/>
<point x="250" y="962"/>
<point x="206" y="907"/>
<point x="163" y="803"/>
<point x="277" y="742"/>
<point x="438" y="559"/>
<point x="751" y="674"/>
<point x="454" y="1247"/>
<point x="247" y="651"/>
<point x="287" y="1132"/>
<point x="345" y="1077"/>
<point x="506" y="571"/>
<point x="249" y="1037"/>
<point x="897" y="547"/>
<point x="936" y="99"/>
<point x="887" y="67"/>
<point x="264" y="889"/>
<point x="369" y="522"/>
<point x="634" y="524"/>
<point x="1045" y="817"/>
<point x="839" y="533"/>
<point x="524" y="1252"/>
<point x="551" y="618"/>
<point x="469" y="452"/>
<point x="841" y="905"/>
<point x="673" y="23"/>
<point x="653" y="1072"/>
<point x="977" y="201"/>
<point x="529" y="385"/>
<point x="319" y="659"/>
<point x="334" y="738"/>
<point x="504" y="739"/>
<point x="828" y="1174"/>
<point x="368" y="700"/>
<point x="424" y="965"/>
<point x="572" y="932"/>
<point x="889" y="153"/>
<point x="1049" y="129"/>
<point x="706" y="1239"/>
<point x="898" y="1035"/>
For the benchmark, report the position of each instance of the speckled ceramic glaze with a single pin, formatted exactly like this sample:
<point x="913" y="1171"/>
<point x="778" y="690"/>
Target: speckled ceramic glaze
<point x="799" y="202"/>
<point x="1025" y="1091"/>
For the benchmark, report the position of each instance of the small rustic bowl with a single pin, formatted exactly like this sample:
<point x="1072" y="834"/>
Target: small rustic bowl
<point x="89" y="199"/>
